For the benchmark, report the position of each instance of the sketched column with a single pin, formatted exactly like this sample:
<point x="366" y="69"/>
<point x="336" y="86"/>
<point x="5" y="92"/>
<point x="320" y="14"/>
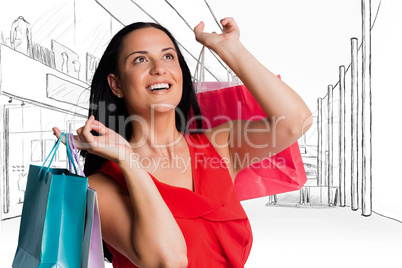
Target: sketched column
<point x="354" y="125"/>
<point x="320" y="146"/>
<point x="342" y="142"/>
<point x="4" y="203"/>
<point x="366" y="109"/>
<point x="6" y="169"/>
<point x="330" y="144"/>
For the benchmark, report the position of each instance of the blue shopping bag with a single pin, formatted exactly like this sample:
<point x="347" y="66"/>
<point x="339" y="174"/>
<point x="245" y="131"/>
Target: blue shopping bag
<point x="53" y="216"/>
<point x="92" y="247"/>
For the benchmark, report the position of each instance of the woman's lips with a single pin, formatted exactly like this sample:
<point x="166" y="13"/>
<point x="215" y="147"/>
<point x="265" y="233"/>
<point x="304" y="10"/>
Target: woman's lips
<point x="159" y="88"/>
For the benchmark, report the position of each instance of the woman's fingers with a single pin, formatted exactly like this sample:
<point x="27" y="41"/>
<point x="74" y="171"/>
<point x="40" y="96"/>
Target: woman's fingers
<point x="86" y="130"/>
<point x="213" y="40"/>
<point x="100" y="128"/>
<point x="84" y="140"/>
<point x="228" y="21"/>
<point x="79" y="143"/>
<point x="199" y="28"/>
<point x="230" y="27"/>
<point x="88" y="126"/>
<point x="57" y="133"/>
<point x="205" y="38"/>
<point x="199" y="32"/>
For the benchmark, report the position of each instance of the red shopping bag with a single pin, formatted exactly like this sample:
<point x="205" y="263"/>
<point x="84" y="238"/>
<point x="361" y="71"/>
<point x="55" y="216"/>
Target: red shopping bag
<point x="281" y="173"/>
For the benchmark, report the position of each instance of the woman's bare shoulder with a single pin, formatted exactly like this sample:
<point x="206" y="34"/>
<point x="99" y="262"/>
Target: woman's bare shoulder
<point x="100" y="181"/>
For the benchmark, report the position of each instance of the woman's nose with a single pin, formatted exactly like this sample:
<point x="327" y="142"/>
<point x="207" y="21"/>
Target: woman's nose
<point x="157" y="68"/>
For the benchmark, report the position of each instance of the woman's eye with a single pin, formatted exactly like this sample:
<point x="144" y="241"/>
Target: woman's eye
<point x="169" y="57"/>
<point x="139" y="59"/>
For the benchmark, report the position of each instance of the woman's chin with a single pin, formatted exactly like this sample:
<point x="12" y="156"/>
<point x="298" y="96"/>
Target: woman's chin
<point x="163" y="107"/>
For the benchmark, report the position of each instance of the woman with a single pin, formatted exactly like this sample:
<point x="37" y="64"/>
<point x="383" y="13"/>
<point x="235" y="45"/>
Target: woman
<point x="162" y="201"/>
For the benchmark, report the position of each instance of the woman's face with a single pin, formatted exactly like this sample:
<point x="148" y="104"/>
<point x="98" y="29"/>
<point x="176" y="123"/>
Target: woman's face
<point x="150" y="76"/>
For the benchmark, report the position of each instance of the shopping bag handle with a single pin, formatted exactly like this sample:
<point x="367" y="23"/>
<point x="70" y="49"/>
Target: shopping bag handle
<point x="73" y="149"/>
<point x="69" y="154"/>
<point x="199" y="73"/>
<point x="52" y="154"/>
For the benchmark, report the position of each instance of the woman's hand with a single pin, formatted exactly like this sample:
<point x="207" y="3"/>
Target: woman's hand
<point x="109" y="145"/>
<point x="214" y="41"/>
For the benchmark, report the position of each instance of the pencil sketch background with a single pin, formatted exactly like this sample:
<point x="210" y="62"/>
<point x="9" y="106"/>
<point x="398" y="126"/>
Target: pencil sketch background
<point x="303" y="41"/>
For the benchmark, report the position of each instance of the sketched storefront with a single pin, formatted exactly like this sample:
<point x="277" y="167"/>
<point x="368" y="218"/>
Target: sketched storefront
<point x="37" y="92"/>
<point x="47" y="63"/>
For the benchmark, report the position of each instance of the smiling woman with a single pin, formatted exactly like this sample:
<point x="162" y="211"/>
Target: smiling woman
<point x="142" y="100"/>
<point x="148" y="61"/>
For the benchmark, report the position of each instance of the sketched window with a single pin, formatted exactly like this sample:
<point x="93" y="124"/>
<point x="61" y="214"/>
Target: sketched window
<point x="62" y="153"/>
<point x="36" y="151"/>
<point x="48" y="145"/>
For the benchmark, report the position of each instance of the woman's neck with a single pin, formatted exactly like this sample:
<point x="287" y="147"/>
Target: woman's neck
<point x="156" y="132"/>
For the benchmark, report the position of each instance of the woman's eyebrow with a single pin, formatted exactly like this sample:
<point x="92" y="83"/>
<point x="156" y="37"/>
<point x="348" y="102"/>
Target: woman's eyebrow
<point x="165" y="49"/>
<point x="146" y="52"/>
<point x="136" y="52"/>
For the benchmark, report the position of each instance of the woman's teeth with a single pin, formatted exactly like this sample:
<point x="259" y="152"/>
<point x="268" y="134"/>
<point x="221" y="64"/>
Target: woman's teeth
<point x="161" y="86"/>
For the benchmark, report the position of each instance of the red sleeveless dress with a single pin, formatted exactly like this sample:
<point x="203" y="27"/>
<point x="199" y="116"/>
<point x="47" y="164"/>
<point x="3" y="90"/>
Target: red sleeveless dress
<point x="215" y="227"/>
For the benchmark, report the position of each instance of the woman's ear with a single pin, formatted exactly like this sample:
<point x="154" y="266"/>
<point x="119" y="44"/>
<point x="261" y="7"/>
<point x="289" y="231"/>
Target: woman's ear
<point x="113" y="82"/>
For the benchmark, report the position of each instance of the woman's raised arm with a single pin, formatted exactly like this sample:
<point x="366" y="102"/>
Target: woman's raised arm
<point x="288" y="117"/>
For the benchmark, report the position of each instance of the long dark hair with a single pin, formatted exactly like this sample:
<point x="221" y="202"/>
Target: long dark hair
<point x="108" y="109"/>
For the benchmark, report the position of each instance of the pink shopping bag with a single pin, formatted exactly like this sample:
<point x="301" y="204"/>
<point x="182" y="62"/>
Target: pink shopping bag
<point x="281" y="173"/>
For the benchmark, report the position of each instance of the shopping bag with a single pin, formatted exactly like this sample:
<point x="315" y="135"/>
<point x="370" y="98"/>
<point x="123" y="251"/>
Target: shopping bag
<point x="223" y="101"/>
<point x="53" y="215"/>
<point x="92" y="248"/>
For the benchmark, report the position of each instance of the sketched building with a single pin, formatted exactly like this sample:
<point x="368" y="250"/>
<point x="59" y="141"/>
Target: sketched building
<point x="34" y="98"/>
<point x="40" y="87"/>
